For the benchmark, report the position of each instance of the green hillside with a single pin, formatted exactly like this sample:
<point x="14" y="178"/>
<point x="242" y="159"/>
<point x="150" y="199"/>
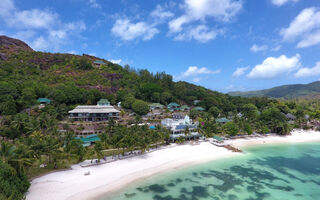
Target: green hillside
<point x="285" y="91"/>
<point x="26" y="75"/>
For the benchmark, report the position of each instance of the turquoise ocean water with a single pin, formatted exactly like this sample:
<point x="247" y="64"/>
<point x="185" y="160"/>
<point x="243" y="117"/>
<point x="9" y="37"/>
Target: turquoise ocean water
<point x="273" y="172"/>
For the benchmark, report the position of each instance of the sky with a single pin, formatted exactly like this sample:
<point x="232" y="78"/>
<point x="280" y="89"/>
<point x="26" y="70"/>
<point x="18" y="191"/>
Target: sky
<point x="223" y="45"/>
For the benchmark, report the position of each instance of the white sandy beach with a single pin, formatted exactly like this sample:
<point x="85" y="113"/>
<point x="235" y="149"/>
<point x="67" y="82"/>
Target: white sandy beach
<point x="72" y="184"/>
<point x="297" y="136"/>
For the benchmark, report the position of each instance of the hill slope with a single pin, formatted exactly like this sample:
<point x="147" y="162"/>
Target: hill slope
<point x="67" y="79"/>
<point x="285" y="91"/>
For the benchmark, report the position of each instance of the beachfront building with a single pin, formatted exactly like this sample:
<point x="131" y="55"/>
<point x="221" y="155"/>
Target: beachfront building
<point x="156" y="106"/>
<point x="173" y="106"/>
<point x="89" y="140"/>
<point x="184" y="108"/>
<point x="103" y="102"/>
<point x="178" y="127"/>
<point x="93" y="113"/>
<point x="98" y="63"/>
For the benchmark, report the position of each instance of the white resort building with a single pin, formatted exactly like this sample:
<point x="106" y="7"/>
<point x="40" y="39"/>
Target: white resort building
<point x="94" y="113"/>
<point x="178" y="127"/>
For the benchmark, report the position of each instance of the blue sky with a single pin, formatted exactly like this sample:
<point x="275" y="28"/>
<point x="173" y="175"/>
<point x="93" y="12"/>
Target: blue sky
<point x="224" y="45"/>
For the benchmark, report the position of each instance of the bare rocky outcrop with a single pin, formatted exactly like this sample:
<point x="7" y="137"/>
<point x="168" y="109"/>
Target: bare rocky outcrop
<point x="10" y="45"/>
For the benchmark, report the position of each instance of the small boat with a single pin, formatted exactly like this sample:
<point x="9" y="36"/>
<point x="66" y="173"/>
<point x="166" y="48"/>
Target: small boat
<point x="87" y="173"/>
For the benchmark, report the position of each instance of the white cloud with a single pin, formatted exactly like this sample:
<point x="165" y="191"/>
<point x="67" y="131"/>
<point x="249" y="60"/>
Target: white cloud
<point x="273" y="67"/>
<point x="195" y="72"/>
<point x="6" y="7"/>
<point x="282" y="2"/>
<point x="57" y="37"/>
<point x="240" y="71"/>
<point x="255" y="48"/>
<point x="161" y="13"/>
<point x="24" y="35"/>
<point x="176" y="24"/>
<point x="306" y="72"/>
<point x="196" y="79"/>
<point x="276" y="48"/>
<point x="32" y="19"/>
<point x="310" y="40"/>
<point x="42" y="29"/>
<point x="305" y="27"/>
<point x="222" y="10"/>
<point x="115" y="61"/>
<point x="200" y="33"/>
<point x="40" y="43"/>
<point x="199" y="11"/>
<point x="127" y="30"/>
<point x="94" y="4"/>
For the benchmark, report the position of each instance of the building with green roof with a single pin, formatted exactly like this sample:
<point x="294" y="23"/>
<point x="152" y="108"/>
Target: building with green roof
<point x="98" y="63"/>
<point x="44" y="101"/>
<point x="219" y="139"/>
<point x="173" y="106"/>
<point x="156" y="106"/>
<point x="103" y="102"/>
<point x="198" y="108"/>
<point x="223" y="120"/>
<point x="89" y="140"/>
<point x="184" y="108"/>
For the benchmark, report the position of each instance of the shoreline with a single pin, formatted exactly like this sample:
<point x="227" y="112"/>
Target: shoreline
<point x="112" y="177"/>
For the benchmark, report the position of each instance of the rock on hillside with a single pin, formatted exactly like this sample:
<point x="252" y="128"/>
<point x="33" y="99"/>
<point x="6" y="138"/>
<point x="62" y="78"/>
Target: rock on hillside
<point x="10" y="45"/>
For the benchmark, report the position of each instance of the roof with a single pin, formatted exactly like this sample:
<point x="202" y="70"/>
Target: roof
<point x="44" y="100"/>
<point x="184" y="107"/>
<point x="94" y="109"/>
<point x="290" y="116"/>
<point x="90" y="138"/>
<point x="156" y="105"/>
<point x="103" y="102"/>
<point x="223" y="120"/>
<point x="173" y="104"/>
<point x="220" y="139"/>
<point x="152" y="127"/>
<point x="182" y="127"/>
<point x="100" y="62"/>
<point x="198" y="108"/>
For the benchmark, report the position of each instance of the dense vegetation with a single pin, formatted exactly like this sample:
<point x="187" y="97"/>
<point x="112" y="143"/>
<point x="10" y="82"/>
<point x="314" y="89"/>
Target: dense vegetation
<point x="285" y="91"/>
<point x="31" y="137"/>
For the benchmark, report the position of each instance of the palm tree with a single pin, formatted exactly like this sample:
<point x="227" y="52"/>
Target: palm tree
<point x="187" y="132"/>
<point x="22" y="158"/>
<point x="104" y="139"/>
<point x="6" y="151"/>
<point x="68" y="139"/>
<point x="78" y="149"/>
<point x="98" y="150"/>
<point x="32" y="126"/>
<point x="18" y="123"/>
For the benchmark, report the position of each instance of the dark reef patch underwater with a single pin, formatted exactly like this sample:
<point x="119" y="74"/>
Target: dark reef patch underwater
<point x="273" y="172"/>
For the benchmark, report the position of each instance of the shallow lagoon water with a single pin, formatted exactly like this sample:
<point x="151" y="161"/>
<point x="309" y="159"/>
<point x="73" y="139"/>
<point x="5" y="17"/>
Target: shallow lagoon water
<point x="270" y="172"/>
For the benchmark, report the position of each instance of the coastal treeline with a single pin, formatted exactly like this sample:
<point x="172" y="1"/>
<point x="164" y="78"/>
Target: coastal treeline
<point x="44" y="150"/>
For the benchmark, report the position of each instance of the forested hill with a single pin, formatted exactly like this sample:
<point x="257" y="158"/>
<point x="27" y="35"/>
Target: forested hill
<point x="67" y="79"/>
<point x="285" y="91"/>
